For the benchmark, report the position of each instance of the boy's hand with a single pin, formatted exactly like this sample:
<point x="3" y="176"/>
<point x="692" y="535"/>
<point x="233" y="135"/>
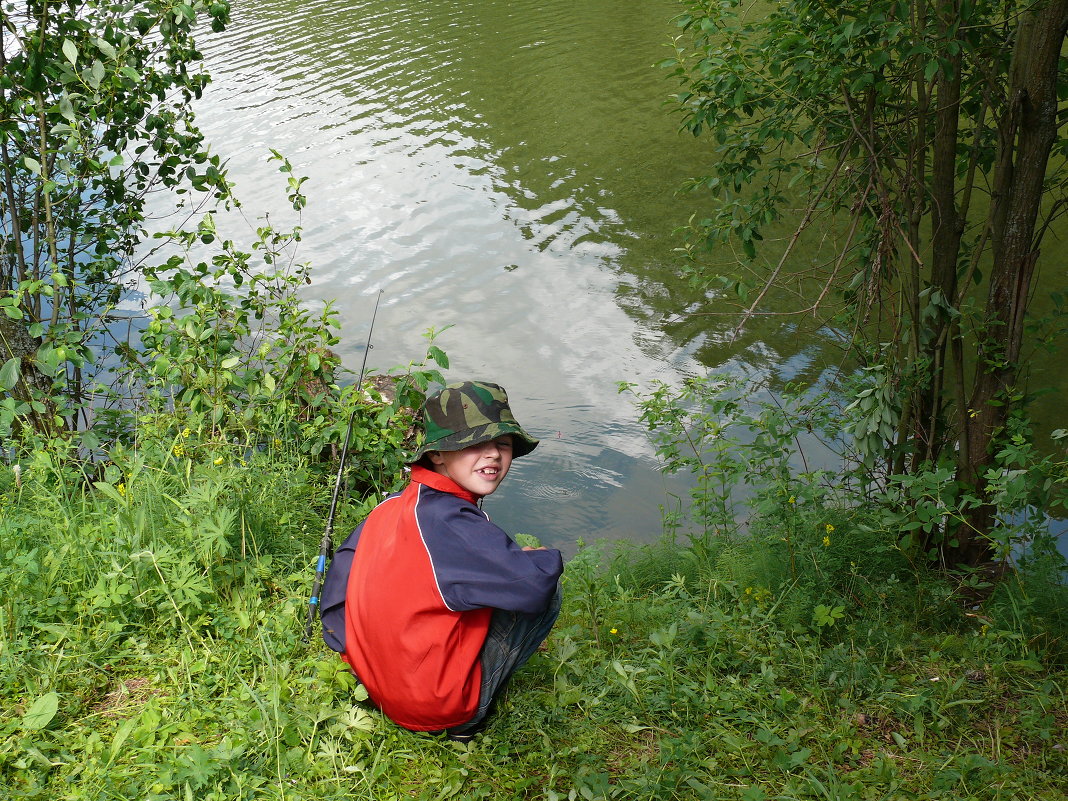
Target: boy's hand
<point x="529" y="548"/>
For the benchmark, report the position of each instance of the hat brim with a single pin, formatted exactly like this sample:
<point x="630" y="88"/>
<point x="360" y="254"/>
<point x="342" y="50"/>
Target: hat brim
<point x="522" y="442"/>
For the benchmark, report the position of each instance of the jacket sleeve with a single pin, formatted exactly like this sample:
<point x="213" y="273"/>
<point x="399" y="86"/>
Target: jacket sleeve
<point x="476" y="564"/>
<point x="334" y="591"/>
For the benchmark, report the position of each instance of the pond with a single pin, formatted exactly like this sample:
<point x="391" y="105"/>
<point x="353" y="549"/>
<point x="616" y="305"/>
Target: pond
<point x="507" y="171"/>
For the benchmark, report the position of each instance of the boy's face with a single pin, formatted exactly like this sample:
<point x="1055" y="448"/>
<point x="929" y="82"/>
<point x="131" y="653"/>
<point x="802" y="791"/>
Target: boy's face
<point x="480" y="468"/>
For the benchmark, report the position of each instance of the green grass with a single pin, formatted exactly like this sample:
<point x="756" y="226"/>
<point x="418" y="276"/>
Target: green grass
<point x="151" y="648"/>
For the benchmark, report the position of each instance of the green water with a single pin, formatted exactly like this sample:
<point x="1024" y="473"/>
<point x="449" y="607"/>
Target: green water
<point x="508" y="169"/>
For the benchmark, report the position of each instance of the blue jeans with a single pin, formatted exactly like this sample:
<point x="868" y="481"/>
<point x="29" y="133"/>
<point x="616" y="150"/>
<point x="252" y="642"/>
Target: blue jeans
<point x="512" y="639"/>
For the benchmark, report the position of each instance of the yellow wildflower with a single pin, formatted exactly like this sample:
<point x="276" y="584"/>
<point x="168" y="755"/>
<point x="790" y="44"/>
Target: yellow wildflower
<point x="122" y="489"/>
<point x="178" y="449"/>
<point x="186" y="433"/>
<point x="613" y="631"/>
<point x="219" y="460"/>
<point x="826" y="541"/>
<point x="793" y="499"/>
<point x="829" y="528"/>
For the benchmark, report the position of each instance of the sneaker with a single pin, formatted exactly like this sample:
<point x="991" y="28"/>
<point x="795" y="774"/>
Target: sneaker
<point x="456" y="737"/>
<point x="460" y="738"/>
<point x="466" y="733"/>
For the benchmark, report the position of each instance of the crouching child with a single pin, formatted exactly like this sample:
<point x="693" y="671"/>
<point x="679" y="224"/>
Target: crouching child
<point x="433" y="606"/>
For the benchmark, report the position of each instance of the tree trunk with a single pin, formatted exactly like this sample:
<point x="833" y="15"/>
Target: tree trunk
<point x="946" y="231"/>
<point x="1026" y="135"/>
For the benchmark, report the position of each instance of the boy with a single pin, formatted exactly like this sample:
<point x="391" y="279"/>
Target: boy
<point x="432" y="605"/>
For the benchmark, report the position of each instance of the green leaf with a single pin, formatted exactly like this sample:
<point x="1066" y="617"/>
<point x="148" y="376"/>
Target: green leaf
<point x="105" y="47"/>
<point x="70" y="51"/>
<point x="33" y="165"/>
<point x="66" y="108"/>
<point x="90" y="441"/>
<point x="527" y="541"/>
<point x="9" y="374"/>
<point x="120" y="737"/>
<point x="49" y="360"/>
<point x="41" y="712"/>
<point x="96" y="73"/>
<point x="439" y="357"/>
<point x="109" y="491"/>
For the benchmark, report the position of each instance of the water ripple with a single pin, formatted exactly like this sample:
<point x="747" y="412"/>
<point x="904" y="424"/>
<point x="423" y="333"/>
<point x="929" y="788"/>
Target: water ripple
<point x="495" y="166"/>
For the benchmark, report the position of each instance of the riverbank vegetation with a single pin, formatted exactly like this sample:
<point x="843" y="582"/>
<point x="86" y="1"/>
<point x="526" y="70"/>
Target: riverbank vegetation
<point x="163" y="494"/>
<point x="151" y="647"/>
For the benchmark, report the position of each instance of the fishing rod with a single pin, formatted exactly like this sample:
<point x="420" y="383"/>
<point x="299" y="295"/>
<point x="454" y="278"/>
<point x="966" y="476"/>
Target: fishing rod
<point x="327" y="544"/>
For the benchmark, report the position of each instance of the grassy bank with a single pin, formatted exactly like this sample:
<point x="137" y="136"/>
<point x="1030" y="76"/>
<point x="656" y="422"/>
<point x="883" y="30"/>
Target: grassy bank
<point x="151" y="647"/>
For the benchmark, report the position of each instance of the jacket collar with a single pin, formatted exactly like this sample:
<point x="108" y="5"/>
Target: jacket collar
<point x="435" y="480"/>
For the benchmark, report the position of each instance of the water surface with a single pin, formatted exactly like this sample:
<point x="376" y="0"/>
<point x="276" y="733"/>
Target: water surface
<point x="508" y="171"/>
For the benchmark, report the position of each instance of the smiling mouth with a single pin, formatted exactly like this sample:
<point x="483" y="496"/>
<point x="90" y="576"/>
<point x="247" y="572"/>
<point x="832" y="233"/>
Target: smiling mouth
<point x="489" y="472"/>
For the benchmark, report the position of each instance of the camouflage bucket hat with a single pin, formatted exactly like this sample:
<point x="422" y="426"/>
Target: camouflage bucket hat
<point x="470" y="413"/>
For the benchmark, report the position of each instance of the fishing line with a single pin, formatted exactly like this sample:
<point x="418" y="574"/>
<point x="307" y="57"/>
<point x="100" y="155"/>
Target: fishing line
<point x="327" y="544"/>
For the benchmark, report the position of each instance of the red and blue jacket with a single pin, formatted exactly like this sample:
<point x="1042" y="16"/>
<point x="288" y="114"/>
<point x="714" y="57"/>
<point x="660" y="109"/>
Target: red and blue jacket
<point x="408" y="598"/>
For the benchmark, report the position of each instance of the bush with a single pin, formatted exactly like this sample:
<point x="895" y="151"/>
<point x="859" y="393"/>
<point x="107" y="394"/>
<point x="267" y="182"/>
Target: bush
<point x="837" y="540"/>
